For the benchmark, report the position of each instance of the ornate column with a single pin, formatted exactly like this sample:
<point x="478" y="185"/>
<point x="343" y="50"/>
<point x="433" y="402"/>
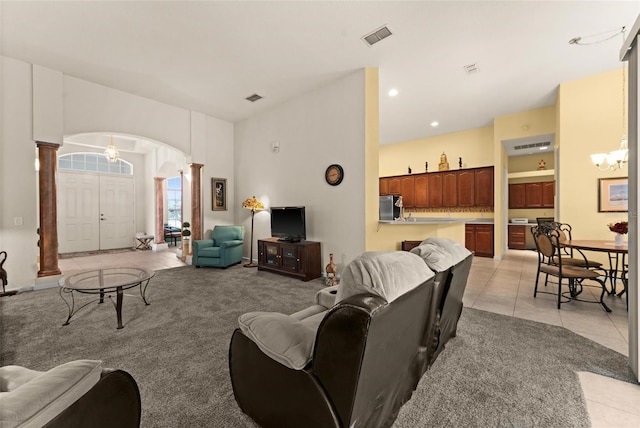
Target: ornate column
<point x="47" y="157"/>
<point x="159" y="190"/>
<point x="196" y="201"/>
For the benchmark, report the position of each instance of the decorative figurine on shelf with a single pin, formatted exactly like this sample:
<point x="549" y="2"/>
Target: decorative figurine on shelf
<point x="443" y="165"/>
<point x="460" y="162"/>
<point x="409" y="169"/>
<point x="426" y="166"/>
<point x="332" y="278"/>
<point x="542" y="164"/>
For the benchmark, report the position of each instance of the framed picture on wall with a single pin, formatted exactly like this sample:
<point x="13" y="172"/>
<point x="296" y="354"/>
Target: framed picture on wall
<point x="219" y="194"/>
<point x="613" y="195"/>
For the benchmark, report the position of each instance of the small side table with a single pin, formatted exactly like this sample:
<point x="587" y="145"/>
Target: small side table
<point x="144" y="242"/>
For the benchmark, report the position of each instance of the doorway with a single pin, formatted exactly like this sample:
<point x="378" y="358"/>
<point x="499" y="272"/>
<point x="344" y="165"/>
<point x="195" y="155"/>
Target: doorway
<point x="95" y="212"/>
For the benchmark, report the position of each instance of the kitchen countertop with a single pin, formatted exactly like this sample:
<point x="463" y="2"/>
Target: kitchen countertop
<point x="437" y="220"/>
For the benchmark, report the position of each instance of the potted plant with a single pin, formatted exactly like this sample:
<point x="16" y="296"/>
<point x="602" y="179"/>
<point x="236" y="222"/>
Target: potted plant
<point x="186" y="233"/>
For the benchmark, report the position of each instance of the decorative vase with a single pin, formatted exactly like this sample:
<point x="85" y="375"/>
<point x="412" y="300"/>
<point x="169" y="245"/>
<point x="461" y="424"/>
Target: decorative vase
<point x="331" y="272"/>
<point x="619" y="242"/>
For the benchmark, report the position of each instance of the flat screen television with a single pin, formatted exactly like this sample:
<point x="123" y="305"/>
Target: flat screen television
<point x="288" y="224"/>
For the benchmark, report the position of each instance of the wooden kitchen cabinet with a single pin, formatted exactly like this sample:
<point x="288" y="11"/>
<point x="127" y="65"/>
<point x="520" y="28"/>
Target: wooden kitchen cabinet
<point x="450" y="189"/>
<point x="548" y="194"/>
<point x="408" y="191"/>
<point x="479" y="239"/>
<point x="517" y="196"/>
<point x="435" y="190"/>
<point x="395" y="186"/>
<point x="421" y="191"/>
<point x="383" y="187"/>
<point x="532" y="195"/>
<point x="517" y="237"/>
<point x="466" y="188"/>
<point x="483" y="194"/>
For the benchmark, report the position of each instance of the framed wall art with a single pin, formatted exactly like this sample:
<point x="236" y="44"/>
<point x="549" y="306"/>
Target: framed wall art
<point x="613" y="195"/>
<point x="218" y="194"/>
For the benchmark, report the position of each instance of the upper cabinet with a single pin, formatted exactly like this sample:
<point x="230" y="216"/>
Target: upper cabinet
<point x="458" y="188"/>
<point x="408" y="191"/>
<point x="450" y="188"/>
<point x="532" y="195"/>
<point x="483" y="195"/>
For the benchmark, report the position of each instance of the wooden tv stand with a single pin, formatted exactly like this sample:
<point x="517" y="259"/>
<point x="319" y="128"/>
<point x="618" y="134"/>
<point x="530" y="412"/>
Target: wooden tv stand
<point x="296" y="259"/>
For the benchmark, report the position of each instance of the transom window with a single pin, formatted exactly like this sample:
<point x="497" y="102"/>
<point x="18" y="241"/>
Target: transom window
<point x="94" y="162"/>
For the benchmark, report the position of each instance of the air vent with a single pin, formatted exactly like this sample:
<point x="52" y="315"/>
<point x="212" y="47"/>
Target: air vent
<point x="532" y="145"/>
<point x="471" y="69"/>
<point x="253" y="98"/>
<point x="377" y="35"/>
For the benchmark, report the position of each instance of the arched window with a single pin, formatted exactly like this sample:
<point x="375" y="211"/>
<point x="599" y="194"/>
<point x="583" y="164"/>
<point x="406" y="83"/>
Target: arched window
<point x="94" y="162"/>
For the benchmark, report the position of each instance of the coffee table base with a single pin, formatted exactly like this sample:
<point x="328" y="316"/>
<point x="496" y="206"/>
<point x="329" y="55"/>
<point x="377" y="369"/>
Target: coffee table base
<point x="117" y="304"/>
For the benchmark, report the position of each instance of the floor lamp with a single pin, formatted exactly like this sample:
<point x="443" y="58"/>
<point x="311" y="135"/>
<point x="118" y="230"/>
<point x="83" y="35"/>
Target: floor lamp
<point x="254" y="205"/>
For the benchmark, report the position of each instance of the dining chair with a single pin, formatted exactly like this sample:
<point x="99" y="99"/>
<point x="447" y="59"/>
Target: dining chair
<point x="564" y="234"/>
<point x="551" y="263"/>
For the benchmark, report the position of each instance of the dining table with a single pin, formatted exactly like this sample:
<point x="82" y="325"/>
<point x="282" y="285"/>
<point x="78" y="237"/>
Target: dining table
<point x="617" y="258"/>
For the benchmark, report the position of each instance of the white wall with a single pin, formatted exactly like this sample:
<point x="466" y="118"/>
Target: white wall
<point x="18" y="178"/>
<point x="315" y="130"/>
<point x="88" y="108"/>
<point x="218" y="163"/>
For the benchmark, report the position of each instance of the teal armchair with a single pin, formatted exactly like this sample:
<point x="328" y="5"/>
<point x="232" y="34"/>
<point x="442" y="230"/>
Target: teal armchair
<point x="225" y="249"/>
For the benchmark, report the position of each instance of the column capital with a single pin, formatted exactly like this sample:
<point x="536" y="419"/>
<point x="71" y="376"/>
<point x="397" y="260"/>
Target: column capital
<point x="45" y="145"/>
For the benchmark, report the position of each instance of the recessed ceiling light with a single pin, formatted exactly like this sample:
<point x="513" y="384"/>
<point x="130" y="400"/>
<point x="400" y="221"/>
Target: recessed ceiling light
<point x="434" y="123"/>
<point x="393" y="92"/>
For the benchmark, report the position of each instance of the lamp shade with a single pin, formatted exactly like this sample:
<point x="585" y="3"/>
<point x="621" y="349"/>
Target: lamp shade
<point x="253" y="204"/>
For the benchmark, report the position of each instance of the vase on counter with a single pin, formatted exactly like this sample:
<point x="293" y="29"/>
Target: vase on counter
<point x="619" y="241"/>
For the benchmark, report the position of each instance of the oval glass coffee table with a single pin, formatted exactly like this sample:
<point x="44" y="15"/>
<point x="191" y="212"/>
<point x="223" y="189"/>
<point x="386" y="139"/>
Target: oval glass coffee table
<point x="104" y="281"/>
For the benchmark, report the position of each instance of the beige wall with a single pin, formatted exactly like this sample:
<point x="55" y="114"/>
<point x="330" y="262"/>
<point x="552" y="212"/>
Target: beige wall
<point x="474" y="146"/>
<point x="590" y="112"/>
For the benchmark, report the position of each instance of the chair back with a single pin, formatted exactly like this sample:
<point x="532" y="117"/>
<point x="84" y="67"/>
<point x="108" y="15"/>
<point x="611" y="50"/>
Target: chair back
<point x="549" y="245"/>
<point x="221" y="234"/>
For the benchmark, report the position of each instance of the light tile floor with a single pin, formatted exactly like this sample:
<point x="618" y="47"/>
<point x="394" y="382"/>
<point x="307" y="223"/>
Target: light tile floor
<point x="504" y="287"/>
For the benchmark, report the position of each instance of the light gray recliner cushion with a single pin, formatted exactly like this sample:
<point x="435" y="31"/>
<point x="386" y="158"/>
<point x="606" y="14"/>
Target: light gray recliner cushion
<point x="388" y="274"/>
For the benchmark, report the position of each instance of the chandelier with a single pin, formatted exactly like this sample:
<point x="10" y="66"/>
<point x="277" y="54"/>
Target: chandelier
<point x="111" y="152"/>
<point x="615" y="159"/>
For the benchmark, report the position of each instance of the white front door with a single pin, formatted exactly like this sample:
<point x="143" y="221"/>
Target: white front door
<point x="78" y="211"/>
<point x="116" y="212"/>
<point x="94" y="212"/>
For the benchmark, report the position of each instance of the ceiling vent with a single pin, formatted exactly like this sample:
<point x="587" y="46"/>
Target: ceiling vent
<point x="532" y="145"/>
<point x="377" y="35"/>
<point x="471" y="69"/>
<point x="253" y="98"/>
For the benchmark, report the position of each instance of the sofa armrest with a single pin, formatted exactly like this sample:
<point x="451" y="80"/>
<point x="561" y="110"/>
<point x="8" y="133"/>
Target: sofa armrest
<point x="282" y="337"/>
<point x="327" y="296"/>
<point x="198" y="245"/>
<point x="231" y="244"/>
<point x="112" y="402"/>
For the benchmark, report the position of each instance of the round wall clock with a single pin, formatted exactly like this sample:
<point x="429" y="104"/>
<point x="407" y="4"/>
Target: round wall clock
<point x="334" y="174"/>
